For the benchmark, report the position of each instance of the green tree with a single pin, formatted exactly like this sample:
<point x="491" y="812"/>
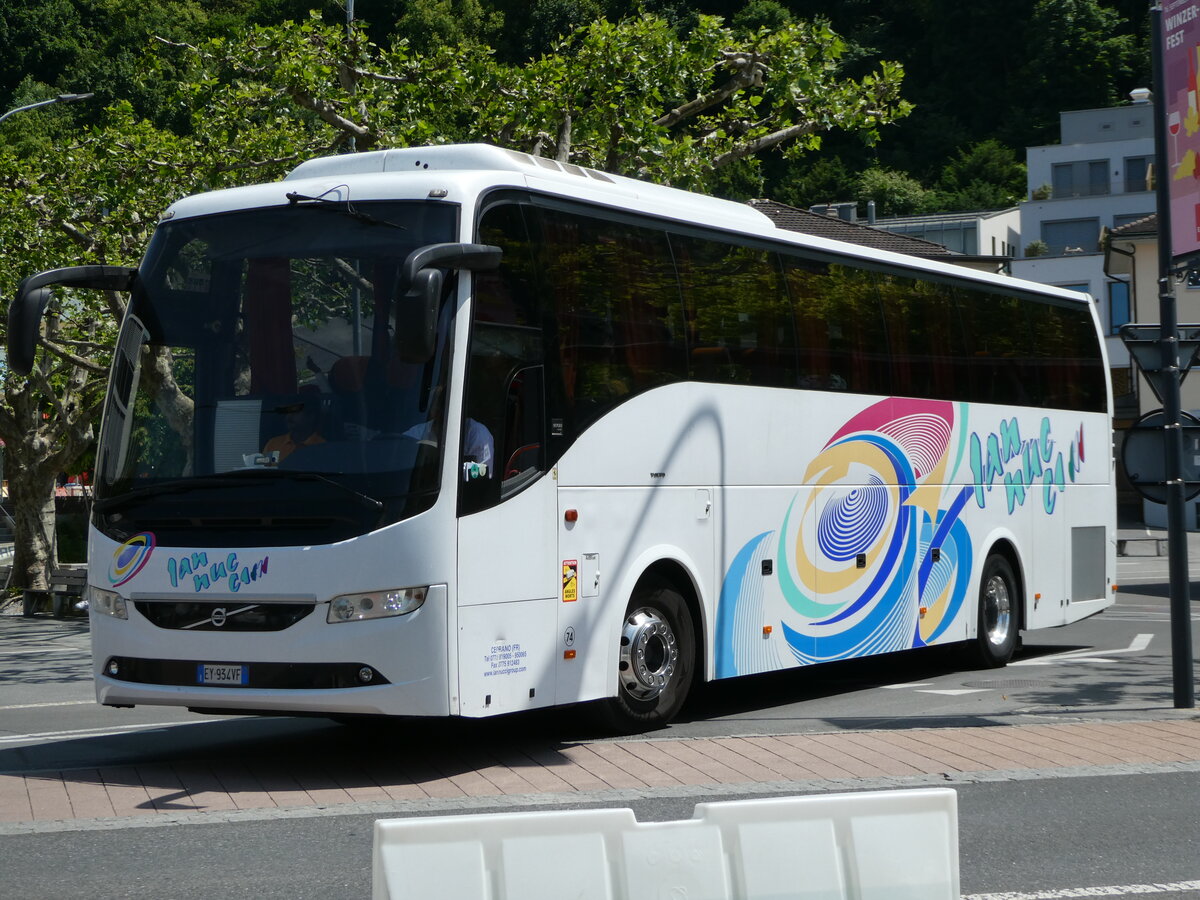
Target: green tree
<point x="428" y="23"/>
<point x="632" y="97"/>
<point x="894" y="192"/>
<point x="986" y="175"/>
<point x="551" y="20"/>
<point x="827" y="180"/>
<point x="1077" y="50"/>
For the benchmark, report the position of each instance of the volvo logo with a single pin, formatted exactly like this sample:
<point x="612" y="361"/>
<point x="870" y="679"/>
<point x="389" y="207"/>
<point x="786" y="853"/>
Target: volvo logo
<point x="219" y="616"/>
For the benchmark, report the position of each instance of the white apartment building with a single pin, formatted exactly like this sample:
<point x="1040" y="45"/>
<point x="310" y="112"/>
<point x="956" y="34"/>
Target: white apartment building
<point x="1095" y="179"/>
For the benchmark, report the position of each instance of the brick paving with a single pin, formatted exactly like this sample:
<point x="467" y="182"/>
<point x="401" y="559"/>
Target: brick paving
<point x="578" y="769"/>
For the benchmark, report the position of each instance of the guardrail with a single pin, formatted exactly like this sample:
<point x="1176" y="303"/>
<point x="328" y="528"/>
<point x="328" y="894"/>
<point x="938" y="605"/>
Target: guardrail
<point x="878" y="845"/>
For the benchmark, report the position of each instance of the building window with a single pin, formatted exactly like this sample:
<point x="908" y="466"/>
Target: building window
<point x="1118" y="305"/>
<point x="1071" y="236"/>
<point x="1086" y="178"/>
<point x="1137" y="173"/>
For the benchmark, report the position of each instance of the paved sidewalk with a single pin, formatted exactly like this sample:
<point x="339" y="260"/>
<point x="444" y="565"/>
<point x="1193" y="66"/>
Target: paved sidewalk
<point x="412" y="777"/>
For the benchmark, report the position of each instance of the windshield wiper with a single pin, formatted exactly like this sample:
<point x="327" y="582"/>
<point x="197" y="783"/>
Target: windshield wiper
<point x="296" y="475"/>
<point x="341" y="206"/>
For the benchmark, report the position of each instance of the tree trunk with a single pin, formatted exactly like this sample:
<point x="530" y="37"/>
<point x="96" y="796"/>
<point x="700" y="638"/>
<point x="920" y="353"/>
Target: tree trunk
<point x="35" y="545"/>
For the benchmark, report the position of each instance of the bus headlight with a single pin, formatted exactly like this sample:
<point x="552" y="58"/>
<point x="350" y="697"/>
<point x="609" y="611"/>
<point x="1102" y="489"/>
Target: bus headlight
<point x="106" y="603"/>
<point x="375" y="604"/>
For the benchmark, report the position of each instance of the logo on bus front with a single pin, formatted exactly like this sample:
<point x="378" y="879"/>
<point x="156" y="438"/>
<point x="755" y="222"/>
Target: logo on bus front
<point x="130" y="558"/>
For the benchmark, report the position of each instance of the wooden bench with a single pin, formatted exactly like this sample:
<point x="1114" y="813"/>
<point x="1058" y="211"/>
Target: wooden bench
<point x="66" y="585"/>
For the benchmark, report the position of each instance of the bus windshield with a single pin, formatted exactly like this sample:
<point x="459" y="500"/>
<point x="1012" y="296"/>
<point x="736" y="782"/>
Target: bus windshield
<point x="260" y="387"/>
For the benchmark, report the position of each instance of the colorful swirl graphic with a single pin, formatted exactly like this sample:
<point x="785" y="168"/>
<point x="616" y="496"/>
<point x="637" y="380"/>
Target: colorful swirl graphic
<point x="853" y="553"/>
<point x="130" y="558"/>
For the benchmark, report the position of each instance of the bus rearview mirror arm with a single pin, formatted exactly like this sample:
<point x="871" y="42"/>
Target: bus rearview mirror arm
<point x="26" y="311"/>
<point x="416" y="313"/>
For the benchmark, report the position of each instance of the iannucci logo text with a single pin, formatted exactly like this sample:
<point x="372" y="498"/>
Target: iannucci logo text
<point x="1022" y="464"/>
<point x="230" y="572"/>
<point x="130" y="558"/>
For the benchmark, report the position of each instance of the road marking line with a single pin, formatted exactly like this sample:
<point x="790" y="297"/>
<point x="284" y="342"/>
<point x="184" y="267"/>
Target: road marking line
<point x="45" y="705"/>
<point x="911" y="684"/>
<point x="1091" y="654"/>
<point x="1115" y="890"/>
<point x="89" y="732"/>
<point x="956" y="692"/>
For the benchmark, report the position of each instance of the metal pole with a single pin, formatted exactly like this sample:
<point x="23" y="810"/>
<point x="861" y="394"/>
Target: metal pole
<point x="61" y="98"/>
<point x="1177" y="549"/>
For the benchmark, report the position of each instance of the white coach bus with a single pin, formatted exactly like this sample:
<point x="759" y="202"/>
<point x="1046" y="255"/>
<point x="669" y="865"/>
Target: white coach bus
<point x="457" y="431"/>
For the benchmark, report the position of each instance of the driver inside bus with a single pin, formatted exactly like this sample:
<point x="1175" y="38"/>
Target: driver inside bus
<point x="477" y="441"/>
<point x="303" y="426"/>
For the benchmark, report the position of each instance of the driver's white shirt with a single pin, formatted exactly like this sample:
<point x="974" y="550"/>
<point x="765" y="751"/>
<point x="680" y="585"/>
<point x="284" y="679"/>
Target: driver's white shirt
<point x="477" y="444"/>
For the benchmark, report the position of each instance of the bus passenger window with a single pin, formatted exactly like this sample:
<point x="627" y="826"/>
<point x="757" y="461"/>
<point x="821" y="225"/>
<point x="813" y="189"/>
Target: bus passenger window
<point x="616" y="303"/>
<point x="739" y="318"/>
<point x="841" y="338"/>
<point x="925" y="335"/>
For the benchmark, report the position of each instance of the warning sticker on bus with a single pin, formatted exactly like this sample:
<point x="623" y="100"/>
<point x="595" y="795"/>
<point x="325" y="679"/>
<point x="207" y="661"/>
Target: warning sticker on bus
<point x="570" y="575"/>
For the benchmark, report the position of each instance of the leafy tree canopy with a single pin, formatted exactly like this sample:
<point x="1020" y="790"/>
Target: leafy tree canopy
<point x="986" y="175"/>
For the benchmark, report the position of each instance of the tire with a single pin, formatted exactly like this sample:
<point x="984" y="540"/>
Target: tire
<point x="999" y="602"/>
<point x="656" y="660"/>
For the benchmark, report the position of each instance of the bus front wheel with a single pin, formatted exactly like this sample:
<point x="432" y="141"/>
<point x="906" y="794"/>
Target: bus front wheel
<point x="996" y="639"/>
<point x="656" y="660"/>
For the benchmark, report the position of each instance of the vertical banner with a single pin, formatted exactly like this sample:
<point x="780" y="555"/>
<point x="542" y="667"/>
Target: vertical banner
<point x="1180" y="103"/>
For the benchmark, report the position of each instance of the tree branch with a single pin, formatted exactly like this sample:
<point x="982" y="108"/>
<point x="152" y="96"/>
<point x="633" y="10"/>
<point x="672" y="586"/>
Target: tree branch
<point x="766" y="142"/>
<point x="68" y="357"/>
<point x="563" y="142"/>
<point x="749" y="69"/>
<point x="177" y="45"/>
<point x="259" y="164"/>
<point x="328" y="114"/>
<point x="379" y="76"/>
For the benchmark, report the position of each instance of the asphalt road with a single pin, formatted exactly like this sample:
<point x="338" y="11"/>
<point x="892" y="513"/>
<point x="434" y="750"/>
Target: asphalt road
<point x="1028" y="834"/>
<point x="1024" y="836"/>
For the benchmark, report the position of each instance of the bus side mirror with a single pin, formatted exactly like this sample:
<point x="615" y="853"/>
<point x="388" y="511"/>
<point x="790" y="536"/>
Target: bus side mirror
<point x="26" y="311"/>
<point x="416" y="316"/>
<point x="416" y="311"/>
<point x="24" y="315"/>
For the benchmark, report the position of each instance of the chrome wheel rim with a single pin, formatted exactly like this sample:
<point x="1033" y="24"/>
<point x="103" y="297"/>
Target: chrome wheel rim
<point x="997" y="611"/>
<point x="649" y="655"/>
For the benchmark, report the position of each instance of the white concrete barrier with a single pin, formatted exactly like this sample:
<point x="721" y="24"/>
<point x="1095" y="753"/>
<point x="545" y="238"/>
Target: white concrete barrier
<point x="878" y="845"/>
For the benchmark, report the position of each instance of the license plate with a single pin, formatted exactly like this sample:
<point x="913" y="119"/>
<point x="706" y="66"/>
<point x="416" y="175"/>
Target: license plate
<point x="208" y="673"/>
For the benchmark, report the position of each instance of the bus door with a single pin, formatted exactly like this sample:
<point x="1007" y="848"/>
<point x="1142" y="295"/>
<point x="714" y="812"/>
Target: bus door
<point x="507" y="581"/>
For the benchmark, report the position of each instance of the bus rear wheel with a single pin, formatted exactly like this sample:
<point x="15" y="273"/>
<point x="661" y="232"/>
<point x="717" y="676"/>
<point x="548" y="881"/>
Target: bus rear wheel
<point x="656" y="660"/>
<point x="996" y="639"/>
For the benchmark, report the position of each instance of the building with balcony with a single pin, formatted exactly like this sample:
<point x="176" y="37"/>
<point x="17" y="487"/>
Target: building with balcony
<point x="1096" y="179"/>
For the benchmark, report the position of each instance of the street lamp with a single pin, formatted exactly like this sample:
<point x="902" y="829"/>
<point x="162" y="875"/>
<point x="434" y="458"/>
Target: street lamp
<point x="61" y="98"/>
